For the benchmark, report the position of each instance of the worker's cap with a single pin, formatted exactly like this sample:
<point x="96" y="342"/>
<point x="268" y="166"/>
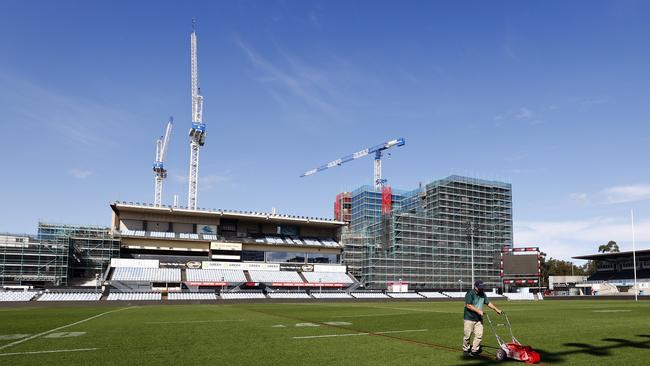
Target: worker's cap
<point x="479" y="285"/>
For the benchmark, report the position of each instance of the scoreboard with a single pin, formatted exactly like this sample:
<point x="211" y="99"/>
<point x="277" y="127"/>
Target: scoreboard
<point x="521" y="266"/>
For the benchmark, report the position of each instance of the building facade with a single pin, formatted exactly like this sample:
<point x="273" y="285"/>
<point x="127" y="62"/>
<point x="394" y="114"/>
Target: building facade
<point x="425" y="236"/>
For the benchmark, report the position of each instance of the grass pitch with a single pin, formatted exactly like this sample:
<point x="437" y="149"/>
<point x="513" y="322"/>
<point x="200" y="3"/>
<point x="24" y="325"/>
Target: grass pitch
<point x="363" y="333"/>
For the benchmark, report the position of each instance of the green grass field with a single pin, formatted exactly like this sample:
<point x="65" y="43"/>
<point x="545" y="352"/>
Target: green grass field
<point x="368" y="333"/>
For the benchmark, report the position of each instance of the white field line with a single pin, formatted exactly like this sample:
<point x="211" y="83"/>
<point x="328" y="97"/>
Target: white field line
<point x="610" y="311"/>
<point x="62" y="327"/>
<point x="419" y="310"/>
<point x="54" y="351"/>
<point x="365" y="315"/>
<point x="197" y="321"/>
<point x="360" y="334"/>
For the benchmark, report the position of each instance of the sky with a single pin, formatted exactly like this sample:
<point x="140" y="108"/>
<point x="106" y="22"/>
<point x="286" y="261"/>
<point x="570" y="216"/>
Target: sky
<point x="549" y="96"/>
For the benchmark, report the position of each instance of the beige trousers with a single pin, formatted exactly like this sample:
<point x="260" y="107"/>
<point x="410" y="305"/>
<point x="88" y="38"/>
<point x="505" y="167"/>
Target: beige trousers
<point x="470" y="327"/>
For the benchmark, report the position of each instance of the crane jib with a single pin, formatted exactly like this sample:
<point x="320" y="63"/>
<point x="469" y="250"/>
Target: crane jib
<point x="377" y="149"/>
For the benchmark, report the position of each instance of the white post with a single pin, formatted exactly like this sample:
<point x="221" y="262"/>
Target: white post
<point x="636" y="289"/>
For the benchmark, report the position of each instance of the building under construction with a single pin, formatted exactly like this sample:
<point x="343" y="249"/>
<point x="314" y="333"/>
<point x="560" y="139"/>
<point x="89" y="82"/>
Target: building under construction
<point x="56" y="254"/>
<point x="425" y="236"/>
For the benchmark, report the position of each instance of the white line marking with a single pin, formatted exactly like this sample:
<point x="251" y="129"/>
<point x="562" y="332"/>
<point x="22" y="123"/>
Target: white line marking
<point x="62" y="327"/>
<point x="415" y="309"/>
<point x="610" y="311"/>
<point x="364" y="315"/>
<point x="54" y="351"/>
<point x="361" y="334"/>
<point x="197" y="321"/>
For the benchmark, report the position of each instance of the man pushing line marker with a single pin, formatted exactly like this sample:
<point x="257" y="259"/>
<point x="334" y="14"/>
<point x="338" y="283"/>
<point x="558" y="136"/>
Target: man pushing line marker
<point x="473" y="315"/>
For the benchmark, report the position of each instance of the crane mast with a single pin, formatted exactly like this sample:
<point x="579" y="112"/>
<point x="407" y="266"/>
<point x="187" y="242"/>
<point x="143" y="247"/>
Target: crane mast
<point x="160" y="173"/>
<point x="378" y="150"/>
<point x="197" y="131"/>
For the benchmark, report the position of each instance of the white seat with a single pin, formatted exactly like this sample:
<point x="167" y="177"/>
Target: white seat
<point x="134" y="296"/>
<point x="215" y="275"/>
<point x="404" y="295"/>
<point x="274" y="276"/>
<point x="330" y="277"/>
<point x="192" y="296"/>
<point x="70" y="296"/>
<point x="369" y="295"/>
<point x="242" y="295"/>
<point x="17" y="295"/>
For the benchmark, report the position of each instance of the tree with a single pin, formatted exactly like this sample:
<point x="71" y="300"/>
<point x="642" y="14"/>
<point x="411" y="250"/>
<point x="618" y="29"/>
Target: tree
<point x="558" y="267"/>
<point x="589" y="268"/>
<point x="610" y="247"/>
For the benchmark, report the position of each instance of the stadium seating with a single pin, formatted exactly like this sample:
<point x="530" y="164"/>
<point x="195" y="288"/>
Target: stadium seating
<point x="331" y="277"/>
<point x="17" y="295"/>
<point x="70" y="296"/>
<point x="433" y="295"/>
<point x="133" y="232"/>
<point x="215" y="275"/>
<point x="288" y="295"/>
<point x="331" y="295"/>
<point x="147" y="274"/>
<point x="330" y="243"/>
<point x="404" y="295"/>
<point x="192" y="296"/>
<point x="242" y="295"/>
<point x="188" y="236"/>
<point x="455" y="295"/>
<point x="494" y="295"/>
<point x="134" y="296"/>
<point x="161" y="234"/>
<point x="369" y="295"/>
<point x="274" y="276"/>
<point x="520" y="296"/>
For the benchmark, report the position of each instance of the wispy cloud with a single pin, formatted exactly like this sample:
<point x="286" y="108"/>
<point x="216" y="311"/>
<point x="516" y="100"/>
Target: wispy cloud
<point x="624" y="194"/>
<point x="579" y="197"/>
<point x="80" y="173"/>
<point x="78" y="119"/>
<point x="520" y="115"/>
<point x="564" y="239"/>
<point x="311" y="92"/>
<point x="614" y="195"/>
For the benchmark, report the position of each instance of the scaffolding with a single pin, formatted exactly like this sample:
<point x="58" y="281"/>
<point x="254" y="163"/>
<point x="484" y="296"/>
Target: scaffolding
<point x="25" y="260"/>
<point x="90" y="247"/>
<point x="426" y="239"/>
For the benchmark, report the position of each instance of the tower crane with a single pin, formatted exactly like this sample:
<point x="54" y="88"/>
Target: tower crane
<point x="197" y="131"/>
<point x="377" y="150"/>
<point x="160" y="173"/>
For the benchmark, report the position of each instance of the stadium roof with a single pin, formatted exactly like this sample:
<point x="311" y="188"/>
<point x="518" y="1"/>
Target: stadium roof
<point x="228" y="214"/>
<point x="620" y="255"/>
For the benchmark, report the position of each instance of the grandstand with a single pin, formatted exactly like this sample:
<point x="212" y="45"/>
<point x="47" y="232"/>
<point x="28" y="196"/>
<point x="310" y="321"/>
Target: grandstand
<point x="289" y="295"/>
<point x="243" y="295"/>
<point x="191" y="296"/>
<point x="70" y="296"/>
<point x="615" y="274"/>
<point x="134" y="296"/>
<point x="215" y="275"/>
<point x="17" y="295"/>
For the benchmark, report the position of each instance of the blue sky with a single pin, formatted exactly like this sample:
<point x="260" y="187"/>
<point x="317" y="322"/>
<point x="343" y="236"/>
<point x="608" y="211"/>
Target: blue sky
<point x="549" y="96"/>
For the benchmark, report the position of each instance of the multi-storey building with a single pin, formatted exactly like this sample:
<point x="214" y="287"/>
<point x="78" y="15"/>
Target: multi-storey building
<point x="425" y="236"/>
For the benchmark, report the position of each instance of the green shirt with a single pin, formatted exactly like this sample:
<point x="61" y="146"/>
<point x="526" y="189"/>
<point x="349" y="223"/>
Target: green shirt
<point x="471" y="297"/>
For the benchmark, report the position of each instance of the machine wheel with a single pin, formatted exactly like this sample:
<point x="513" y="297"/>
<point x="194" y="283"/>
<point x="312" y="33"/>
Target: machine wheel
<point x="501" y="355"/>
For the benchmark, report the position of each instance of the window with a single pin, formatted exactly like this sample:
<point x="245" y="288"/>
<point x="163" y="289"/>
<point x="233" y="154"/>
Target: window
<point x="285" y="257"/>
<point x="252" y="256"/>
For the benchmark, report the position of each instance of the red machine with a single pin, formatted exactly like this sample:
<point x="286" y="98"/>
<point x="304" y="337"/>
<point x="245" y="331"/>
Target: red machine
<point x="514" y="350"/>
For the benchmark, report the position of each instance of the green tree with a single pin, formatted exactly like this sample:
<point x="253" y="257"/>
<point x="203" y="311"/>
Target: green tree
<point x="610" y="247"/>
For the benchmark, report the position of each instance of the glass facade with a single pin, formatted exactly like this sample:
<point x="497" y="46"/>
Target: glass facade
<point x="427" y="237"/>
